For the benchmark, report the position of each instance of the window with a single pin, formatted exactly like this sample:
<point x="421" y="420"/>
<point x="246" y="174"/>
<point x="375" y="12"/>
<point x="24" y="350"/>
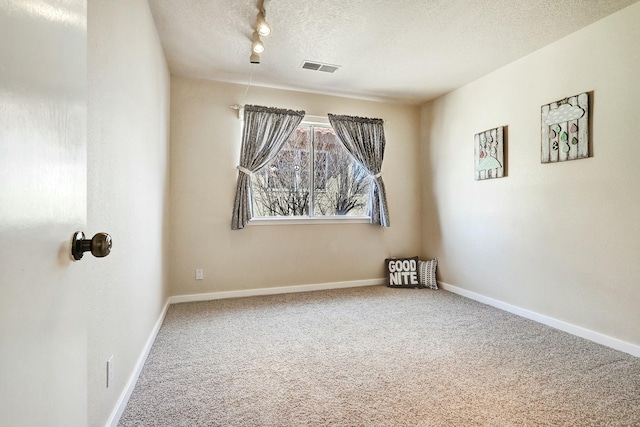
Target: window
<point x="312" y="158"/>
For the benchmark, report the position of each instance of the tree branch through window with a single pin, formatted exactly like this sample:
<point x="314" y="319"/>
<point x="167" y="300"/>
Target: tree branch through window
<point x="312" y="158"/>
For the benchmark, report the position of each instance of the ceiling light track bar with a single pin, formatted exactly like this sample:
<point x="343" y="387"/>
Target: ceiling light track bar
<point x="261" y="29"/>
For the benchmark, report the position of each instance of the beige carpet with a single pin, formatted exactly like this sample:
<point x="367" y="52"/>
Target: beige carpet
<point x="375" y="356"/>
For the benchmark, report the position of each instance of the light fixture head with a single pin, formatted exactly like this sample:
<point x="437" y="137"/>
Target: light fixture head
<point x="256" y="45"/>
<point x="254" y="58"/>
<point x="262" y="26"/>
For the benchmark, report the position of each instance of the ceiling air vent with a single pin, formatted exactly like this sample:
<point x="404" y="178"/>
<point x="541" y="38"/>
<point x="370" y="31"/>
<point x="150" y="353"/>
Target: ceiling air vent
<point x="319" y="66"/>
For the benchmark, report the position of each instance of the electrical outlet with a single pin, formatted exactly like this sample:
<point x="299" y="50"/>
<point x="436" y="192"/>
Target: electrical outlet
<point x="199" y="274"/>
<point x="110" y="371"/>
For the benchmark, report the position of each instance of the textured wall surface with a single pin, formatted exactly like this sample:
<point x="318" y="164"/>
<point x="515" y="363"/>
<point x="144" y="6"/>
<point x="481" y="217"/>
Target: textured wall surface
<point x="205" y="149"/>
<point x="561" y="239"/>
<point x="128" y="190"/>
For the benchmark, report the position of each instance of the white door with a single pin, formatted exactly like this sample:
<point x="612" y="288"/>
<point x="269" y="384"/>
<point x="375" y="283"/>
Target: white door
<point x="43" y="343"/>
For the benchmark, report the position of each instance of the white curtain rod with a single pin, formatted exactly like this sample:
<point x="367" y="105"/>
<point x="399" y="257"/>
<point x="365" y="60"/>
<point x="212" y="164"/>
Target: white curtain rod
<point x="239" y="108"/>
<point x="310" y="116"/>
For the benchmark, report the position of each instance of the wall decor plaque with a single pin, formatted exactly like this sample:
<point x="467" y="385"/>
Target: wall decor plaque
<point x="489" y="154"/>
<point x="565" y="129"/>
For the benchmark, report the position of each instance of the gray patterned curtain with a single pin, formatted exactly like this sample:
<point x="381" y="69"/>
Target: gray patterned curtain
<point x="364" y="139"/>
<point x="265" y="132"/>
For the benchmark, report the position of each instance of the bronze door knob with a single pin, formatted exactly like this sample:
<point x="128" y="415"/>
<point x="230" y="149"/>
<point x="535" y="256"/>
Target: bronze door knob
<point x="99" y="245"/>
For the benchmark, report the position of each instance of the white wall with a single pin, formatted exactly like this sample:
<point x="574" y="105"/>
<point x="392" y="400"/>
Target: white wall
<point x="562" y="240"/>
<point x="128" y="190"/>
<point x="205" y="149"/>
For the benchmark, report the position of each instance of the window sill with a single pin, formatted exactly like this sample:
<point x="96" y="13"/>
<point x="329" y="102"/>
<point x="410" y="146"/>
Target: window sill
<point x="302" y="220"/>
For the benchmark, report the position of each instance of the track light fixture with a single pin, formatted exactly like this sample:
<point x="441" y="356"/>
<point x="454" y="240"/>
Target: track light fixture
<point x="262" y="28"/>
<point x="256" y="45"/>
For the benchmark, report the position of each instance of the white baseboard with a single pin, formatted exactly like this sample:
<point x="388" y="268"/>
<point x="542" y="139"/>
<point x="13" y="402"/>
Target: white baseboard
<point x="274" y="291"/>
<point x="128" y="389"/>
<point x="126" y="393"/>
<point x="579" y="331"/>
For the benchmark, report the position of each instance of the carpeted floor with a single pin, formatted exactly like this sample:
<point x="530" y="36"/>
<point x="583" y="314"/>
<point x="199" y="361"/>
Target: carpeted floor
<point x="375" y="356"/>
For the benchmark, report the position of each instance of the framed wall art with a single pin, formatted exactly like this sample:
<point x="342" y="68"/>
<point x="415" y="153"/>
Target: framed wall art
<point x="565" y="129"/>
<point x="489" y="154"/>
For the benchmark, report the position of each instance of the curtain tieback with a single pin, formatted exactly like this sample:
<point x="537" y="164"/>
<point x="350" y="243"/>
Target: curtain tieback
<point x="378" y="175"/>
<point x="244" y="170"/>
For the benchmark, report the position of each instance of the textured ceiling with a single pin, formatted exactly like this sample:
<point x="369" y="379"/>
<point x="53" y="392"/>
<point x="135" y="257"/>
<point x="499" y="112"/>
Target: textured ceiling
<point x="396" y="50"/>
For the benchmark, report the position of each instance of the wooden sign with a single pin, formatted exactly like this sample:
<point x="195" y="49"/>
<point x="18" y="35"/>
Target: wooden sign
<point x="489" y="154"/>
<point x="565" y="129"/>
